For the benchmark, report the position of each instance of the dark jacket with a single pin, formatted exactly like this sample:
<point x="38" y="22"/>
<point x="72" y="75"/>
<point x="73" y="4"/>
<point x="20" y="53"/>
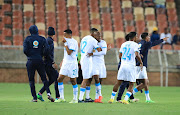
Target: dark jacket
<point x="176" y="39"/>
<point x="144" y="48"/>
<point x="50" y="57"/>
<point x="35" y="46"/>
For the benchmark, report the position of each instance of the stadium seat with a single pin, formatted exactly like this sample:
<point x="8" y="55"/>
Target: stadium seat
<point x="6" y="7"/>
<point x="17" y="13"/>
<point x="28" y="7"/>
<point x="7" y="32"/>
<point x="171" y="11"/>
<point x="28" y="19"/>
<point x="138" y="10"/>
<point x="39" y="8"/>
<point x="39" y="2"/>
<point x="151" y="23"/>
<point x="119" y="42"/>
<point x="139" y="17"/>
<point x="27" y="25"/>
<point x="126" y="4"/>
<point x="41" y="26"/>
<point x="128" y="17"/>
<point x="17" y="25"/>
<point x="161" y="17"/>
<point x="170" y="5"/>
<point x="127" y="10"/>
<point x="17" y="1"/>
<point x="6" y="20"/>
<point x="17" y="32"/>
<point x="17" y="7"/>
<point x="150" y="17"/>
<point x="137" y="3"/>
<point x="84" y="33"/>
<point x="129" y="29"/>
<point x="1" y="26"/>
<point x="28" y="14"/>
<point x="2" y="38"/>
<point x="27" y="2"/>
<point x="108" y="37"/>
<point x="172" y="17"/>
<point x="140" y="23"/>
<point x="129" y="23"/>
<point x="104" y="3"/>
<point x="119" y="34"/>
<point x="71" y="3"/>
<point x="39" y="19"/>
<point x="173" y="23"/>
<point x="149" y="11"/>
<point x="160" y="10"/>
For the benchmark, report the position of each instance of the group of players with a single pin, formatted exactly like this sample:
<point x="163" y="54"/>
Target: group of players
<point x="93" y="48"/>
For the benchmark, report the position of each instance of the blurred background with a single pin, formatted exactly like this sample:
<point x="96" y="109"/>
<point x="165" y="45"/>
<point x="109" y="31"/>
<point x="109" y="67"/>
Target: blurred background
<point x="114" y="18"/>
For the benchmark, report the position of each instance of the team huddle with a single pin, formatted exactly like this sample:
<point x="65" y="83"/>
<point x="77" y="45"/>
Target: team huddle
<point x="133" y="66"/>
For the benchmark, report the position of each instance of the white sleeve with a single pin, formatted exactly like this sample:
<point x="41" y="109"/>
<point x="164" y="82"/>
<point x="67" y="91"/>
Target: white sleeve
<point x="136" y="48"/>
<point x="95" y="43"/>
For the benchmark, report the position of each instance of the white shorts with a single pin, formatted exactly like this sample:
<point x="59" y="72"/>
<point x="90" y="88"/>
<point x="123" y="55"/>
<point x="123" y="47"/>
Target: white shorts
<point x="141" y="74"/>
<point x="99" y="69"/>
<point x="127" y="73"/>
<point x="86" y="66"/>
<point x="69" y="69"/>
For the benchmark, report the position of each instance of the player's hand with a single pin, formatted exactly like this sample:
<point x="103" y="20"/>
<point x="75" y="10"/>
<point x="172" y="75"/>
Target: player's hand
<point x="165" y="39"/>
<point x="141" y="55"/>
<point x="108" y="47"/>
<point x="55" y="66"/>
<point x="63" y="40"/>
<point x="89" y="54"/>
<point x="141" y="65"/>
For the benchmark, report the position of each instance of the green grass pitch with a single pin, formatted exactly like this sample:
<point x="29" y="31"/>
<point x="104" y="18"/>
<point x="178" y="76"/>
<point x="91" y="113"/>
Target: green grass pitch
<point x="14" y="100"/>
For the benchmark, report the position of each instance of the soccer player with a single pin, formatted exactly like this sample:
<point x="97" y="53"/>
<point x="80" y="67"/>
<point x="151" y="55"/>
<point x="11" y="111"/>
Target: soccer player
<point x="88" y="43"/>
<point x="144" y="45"/>
<point x="50" y="66"/>
<point x="125" y="84"/>
<point x="128" y="52"/>
<point x="99" y="68"/>
<point x="69" y="66"/>
<point x="35" y="47"/>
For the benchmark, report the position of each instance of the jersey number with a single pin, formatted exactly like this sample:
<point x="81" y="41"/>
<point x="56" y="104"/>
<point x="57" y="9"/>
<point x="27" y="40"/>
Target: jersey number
<point x="126" y="53"/>
<point x="83" y="45"/>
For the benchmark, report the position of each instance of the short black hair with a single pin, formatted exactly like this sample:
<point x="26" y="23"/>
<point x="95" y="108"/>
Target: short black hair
<point x="127" y="37"/>
<point x="93" y="30"/>
<point x="132" y="35"/>
<point x="144" y="35"/>
<point x="68" y="31"/>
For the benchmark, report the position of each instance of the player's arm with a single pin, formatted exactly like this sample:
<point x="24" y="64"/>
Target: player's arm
<point x="120" y="55"/>
<point x="103" y="52"/>
<point x="46" y="48"/>
<point x="138" y="57"/>
<point x="66" y="47"/>
<point x="25" y="47"/>
<point x="158" y="41"/>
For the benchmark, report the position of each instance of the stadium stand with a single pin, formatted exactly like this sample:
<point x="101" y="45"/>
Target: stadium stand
<point x="114" y="18"/>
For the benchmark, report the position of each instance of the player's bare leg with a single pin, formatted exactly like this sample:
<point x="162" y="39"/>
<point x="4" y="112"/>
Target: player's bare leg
<point x="115" y="89"/>
<point x="75" y="90"/>
<point x="144" y="85"/>
<point x="61" y="88"/>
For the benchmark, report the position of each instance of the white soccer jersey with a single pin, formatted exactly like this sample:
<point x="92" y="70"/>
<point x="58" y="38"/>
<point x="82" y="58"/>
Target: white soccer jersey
<point x="88" y="43"/>
<point x="99" y="56"/>
<point x="72" y="45"/>
<point x="128" y="50"/>
<point x="98" y="67"/>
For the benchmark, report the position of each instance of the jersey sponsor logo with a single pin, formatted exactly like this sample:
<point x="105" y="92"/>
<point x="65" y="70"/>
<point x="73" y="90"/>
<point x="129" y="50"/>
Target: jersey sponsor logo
<point x="35" y="44"/>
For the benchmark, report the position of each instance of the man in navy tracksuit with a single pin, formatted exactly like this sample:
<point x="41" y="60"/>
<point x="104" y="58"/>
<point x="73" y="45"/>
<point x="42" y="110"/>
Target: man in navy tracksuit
<point x="35" y="47"/>
<point x="50" y="65"/>
<point x="144" y="45"/>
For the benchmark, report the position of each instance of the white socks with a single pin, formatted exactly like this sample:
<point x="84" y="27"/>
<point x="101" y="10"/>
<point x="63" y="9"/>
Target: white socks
<point x="75" y="92"/>
<point x="61" y="89"/>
